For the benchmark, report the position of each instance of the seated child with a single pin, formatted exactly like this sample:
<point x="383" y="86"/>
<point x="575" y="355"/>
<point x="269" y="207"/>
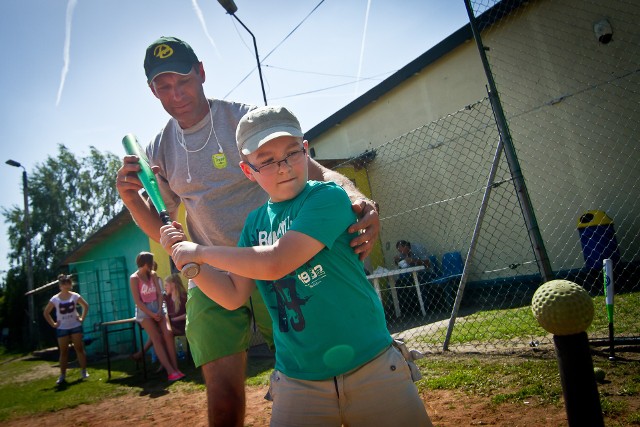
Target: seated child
<point x="335" y="363"/>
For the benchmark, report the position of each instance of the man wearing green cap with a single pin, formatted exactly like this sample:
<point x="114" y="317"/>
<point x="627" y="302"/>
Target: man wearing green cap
<point x="196" y="160"/>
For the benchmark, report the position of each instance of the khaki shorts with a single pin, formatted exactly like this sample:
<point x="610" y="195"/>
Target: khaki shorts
<point x="380" y="393"/>
<point x="214" y="332"/>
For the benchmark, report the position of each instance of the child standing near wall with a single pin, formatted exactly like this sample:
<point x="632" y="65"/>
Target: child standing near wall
<point x="68" y="325"/>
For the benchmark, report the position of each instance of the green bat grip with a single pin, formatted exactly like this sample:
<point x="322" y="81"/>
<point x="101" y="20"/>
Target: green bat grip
<point x="150" y="184"/>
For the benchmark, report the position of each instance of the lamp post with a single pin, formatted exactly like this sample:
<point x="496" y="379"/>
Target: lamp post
<point x="231" y="8"/>
<point x="27" y="236"/>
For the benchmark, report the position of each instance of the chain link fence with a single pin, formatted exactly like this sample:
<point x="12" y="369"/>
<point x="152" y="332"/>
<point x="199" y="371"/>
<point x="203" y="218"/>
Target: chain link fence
<point x="550" y="196"/>
<point x="563" y="170"/>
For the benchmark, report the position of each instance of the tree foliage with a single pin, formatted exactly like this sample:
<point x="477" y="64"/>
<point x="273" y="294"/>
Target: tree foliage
<point x="70" y="198"/>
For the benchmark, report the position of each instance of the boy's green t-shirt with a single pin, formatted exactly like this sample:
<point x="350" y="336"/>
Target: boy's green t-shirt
<point x="327" y="317"/>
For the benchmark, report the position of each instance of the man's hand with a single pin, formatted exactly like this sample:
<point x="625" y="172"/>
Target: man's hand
<point x="127" y="182"/>
<point x="141" y="209"/>
<point x="368" y="227"/>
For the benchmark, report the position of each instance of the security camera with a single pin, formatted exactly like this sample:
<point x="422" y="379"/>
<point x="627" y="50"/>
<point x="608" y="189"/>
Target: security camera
<point x="603" y="31"/>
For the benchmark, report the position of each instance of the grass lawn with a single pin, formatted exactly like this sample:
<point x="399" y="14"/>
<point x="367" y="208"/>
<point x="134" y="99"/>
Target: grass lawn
<point x="28" y="384"/>
<point x="519" y="322"/>
<point x="507" y="382"/>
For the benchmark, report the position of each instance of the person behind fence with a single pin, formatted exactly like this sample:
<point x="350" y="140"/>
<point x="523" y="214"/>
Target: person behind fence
<point x="195" y="157"/>
<point x="411" y="255"/>
<point x="68" y="325"/>
<point x="335" y="362"/>
<point x="147" y="297"/>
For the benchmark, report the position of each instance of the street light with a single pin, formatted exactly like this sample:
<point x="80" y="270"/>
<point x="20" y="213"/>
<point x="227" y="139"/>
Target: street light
<point x="231" y="8"/>
<point x="27" y="236"/>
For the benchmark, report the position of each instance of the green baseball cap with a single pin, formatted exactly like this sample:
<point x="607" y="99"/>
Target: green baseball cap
<point x="168" y="55"/>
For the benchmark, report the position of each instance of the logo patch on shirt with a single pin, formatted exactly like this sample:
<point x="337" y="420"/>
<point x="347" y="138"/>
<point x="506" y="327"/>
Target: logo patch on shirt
<point x="219" y="160"/>
<point x="312" y="276"/>
<point x="67" y="307"/>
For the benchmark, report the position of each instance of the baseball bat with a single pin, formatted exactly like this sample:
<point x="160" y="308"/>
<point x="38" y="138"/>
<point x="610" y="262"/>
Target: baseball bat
<point x="607" y="269"/>
<point x="150" y="184"/>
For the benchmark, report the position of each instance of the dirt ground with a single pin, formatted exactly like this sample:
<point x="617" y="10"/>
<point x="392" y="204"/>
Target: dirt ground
<point x="446" y="408"/>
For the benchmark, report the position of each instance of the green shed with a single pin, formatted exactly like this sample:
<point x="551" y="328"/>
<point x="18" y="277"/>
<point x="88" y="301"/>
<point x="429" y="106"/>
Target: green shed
<point x="101" y="267"/>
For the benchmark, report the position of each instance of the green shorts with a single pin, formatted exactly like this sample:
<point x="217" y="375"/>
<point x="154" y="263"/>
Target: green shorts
<point x="214" y="332"/>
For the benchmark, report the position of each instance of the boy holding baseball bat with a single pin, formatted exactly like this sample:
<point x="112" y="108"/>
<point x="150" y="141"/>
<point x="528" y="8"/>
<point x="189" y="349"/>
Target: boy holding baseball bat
<point x="335" y="363"/>
<point x="195" y="158"/>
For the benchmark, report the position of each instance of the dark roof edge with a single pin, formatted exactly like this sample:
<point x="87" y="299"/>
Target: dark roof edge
<point x="486" y="19"/>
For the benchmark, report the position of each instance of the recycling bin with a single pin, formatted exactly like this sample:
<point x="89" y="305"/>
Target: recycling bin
<point x="598" y="239"/>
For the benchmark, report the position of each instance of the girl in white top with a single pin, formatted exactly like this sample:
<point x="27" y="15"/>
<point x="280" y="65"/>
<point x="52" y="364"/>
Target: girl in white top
<point x="147" y="296"/>
<point x="68" y="324"/>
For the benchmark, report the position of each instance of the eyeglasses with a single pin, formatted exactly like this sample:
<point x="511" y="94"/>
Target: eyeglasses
<point x="273" y="167"/>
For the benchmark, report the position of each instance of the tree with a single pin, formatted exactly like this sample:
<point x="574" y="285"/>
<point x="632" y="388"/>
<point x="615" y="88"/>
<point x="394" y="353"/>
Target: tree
<point x="70" y="198"/>
<point x="13" y="308"/>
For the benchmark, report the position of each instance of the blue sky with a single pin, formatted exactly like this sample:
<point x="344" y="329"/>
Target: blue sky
<point x="72" y="69"/>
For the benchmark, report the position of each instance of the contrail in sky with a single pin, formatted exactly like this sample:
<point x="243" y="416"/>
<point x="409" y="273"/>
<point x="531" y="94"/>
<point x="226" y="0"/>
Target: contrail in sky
<point x="67" y="44"/>
<point x="204" y="26"/>
<point x="364" y="38"/>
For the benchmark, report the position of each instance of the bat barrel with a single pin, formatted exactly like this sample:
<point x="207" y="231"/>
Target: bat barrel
<point x="148" y="179"/>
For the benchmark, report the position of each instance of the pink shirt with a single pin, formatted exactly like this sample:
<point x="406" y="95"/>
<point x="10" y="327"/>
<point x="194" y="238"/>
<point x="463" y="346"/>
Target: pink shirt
<point x="148" y="291"/>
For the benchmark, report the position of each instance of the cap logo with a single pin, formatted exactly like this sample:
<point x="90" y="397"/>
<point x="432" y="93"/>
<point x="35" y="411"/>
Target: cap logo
<point x="162" y="51"/>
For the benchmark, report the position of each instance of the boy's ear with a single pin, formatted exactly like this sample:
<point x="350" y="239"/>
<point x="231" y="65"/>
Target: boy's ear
<point x="247" y="170"/>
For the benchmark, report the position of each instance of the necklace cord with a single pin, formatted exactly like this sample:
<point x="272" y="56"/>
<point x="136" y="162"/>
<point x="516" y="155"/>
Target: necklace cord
<point x="183" y="143"/>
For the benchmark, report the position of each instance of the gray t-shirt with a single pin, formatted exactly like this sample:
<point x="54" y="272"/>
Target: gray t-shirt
<point x="216" y="193"/>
